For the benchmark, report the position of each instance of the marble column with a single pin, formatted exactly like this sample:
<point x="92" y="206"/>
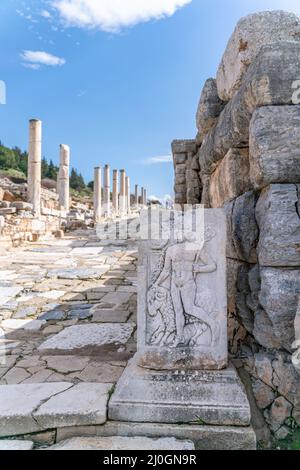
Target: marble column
<point x="136" y="196"/>
<point x="106" y="206"/>
<point x="115" y="195"/>
<point x="97" y="194"/>
<point x="34" y="165"/>
<point x="145" y="197"/>
<point x="122" y="201"/>
<point x="63" y="178"/>
<point x="128" y="195"/>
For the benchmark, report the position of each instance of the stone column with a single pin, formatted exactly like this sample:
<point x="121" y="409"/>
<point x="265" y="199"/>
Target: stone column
<point x="142" y="196"/>
<point x="136" y="196"/>
<point x="115" y="195"/>
<point x="122" y="201"/>
<point x="97" y="195"/>
<point x="145" y="197"/>
<point x="34" y="165"/>
<point x="128" y="195"/>
<point x="106" y="207"/>
<point x="63" y="178"/>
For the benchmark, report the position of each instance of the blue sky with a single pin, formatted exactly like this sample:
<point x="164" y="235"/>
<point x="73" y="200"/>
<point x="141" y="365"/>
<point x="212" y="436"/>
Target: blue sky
<point x="117" y="80"/>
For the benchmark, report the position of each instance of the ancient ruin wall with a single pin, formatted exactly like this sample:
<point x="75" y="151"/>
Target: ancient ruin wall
<point x="247" y="155"/>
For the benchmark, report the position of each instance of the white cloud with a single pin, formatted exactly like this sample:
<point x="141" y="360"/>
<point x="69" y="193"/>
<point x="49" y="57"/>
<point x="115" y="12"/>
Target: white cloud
<point x="34" y="59"/>
<point x="113" y="15"/>
<point x="157" y="160"/>
<point x="166" y="200"/>
<point x="45" y="14"/>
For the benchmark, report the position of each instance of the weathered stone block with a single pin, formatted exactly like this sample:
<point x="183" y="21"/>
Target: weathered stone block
<point x="250" y="35"/>
<point x="274" y="145"/>
<point x="209" y="108"/>
<point x="179" y="158"/>
<point x="268" y="81"/>
<point x="277" y="214"/>
<point x="280" y="290"/>
<point x="184" y="146"/>
<point x="180" y="169"/>
<point x="231" y="177"/>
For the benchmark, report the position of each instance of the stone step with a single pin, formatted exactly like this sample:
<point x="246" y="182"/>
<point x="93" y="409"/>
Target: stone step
<point x="29" y="408"/>
<point x="123" y="443"/>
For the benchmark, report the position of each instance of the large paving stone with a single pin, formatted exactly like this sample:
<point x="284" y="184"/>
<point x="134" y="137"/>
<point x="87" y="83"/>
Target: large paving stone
<point x="66" y="364"/>
<point x="18" y="403"/>
<point x="123" y="443"/>
<point x="117" y="298"/>
<point x="81" y="336"/>
<point x="29" y="325"/>
<point x="9" y="444"/>
<point x="274" y="145"/>
<point x="9" y="292"/>
<point x="250" y="35"/>
<point x="78" y="273"/>
<point x="104" y="315"/>
<point x="83" y="404"/>
<point x="204" y="437"/>
<point x="277" y="214"/>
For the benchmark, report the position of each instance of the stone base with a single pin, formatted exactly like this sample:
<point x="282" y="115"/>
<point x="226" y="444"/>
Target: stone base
<point x="201" y="397"/>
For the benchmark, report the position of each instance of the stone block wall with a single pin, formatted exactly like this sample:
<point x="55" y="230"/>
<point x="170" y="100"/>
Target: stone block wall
<point x="248" y="152"/>
<point x="187" y="186"/>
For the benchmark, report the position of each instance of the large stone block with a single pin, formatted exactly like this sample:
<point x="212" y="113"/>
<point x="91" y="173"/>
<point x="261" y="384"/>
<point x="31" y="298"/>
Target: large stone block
<point x="182" y="302"/>
<point x="277" y="214"/>
<point x="274" y="145"/>
<point x="250" y="35"/>
<point x="268" y="81"/>
<point x="209" y="108"/>
<point x="242" y="228"/>
<point x="279" y="293"/>
<point x="231" y="177"/>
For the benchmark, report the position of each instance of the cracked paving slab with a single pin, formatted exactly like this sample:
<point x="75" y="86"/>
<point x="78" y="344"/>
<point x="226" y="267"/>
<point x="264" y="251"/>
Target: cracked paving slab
<point x="18" y="403"/>
<point x="29" y="408"/>
<point x="89" y="335"/>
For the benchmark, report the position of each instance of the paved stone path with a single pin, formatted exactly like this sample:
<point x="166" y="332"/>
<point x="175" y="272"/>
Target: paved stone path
<point x="67" y="311"/>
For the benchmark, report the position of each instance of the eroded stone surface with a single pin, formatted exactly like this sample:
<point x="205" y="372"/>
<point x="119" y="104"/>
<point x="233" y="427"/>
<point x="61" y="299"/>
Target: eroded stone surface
<point x="183" y="322"/>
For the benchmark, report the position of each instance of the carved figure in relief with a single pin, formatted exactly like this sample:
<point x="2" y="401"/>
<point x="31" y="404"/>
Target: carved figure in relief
<point x="181" y="320"/>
